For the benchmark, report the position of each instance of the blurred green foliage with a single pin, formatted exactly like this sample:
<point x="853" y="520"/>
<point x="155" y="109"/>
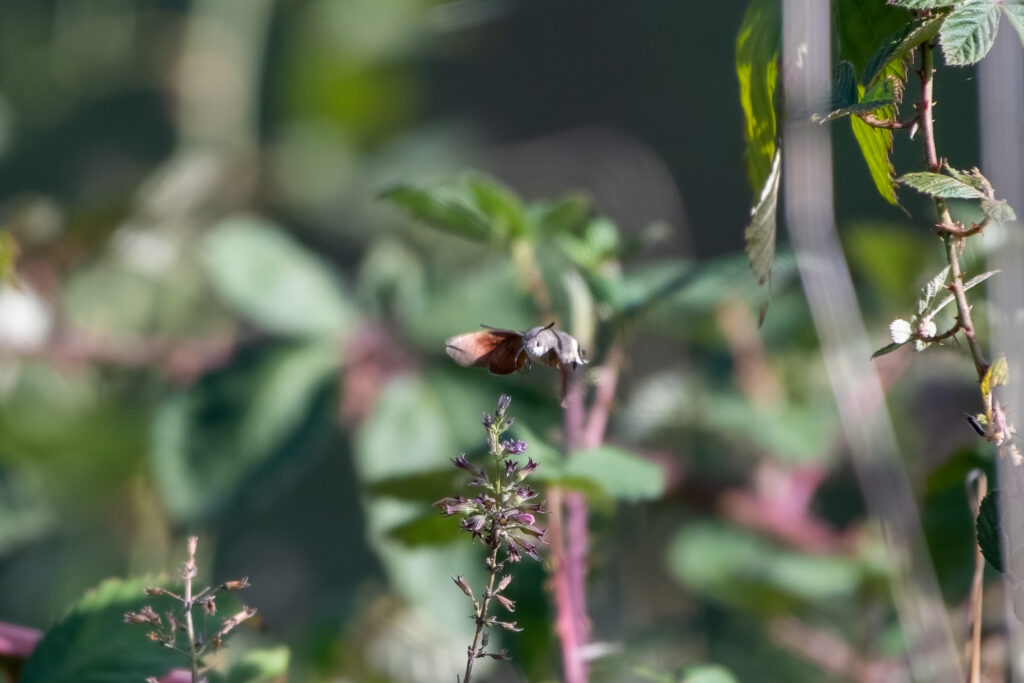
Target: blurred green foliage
<point x="235" y="238"/>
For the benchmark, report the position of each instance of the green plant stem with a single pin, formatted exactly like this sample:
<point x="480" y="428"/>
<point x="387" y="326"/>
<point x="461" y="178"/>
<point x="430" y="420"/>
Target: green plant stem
<point x="951" y="242"/>
<point x="481" y="615"/>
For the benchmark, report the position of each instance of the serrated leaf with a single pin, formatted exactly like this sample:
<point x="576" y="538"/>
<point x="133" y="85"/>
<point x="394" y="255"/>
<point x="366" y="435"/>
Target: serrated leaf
<point x="998" y="211"/>
<point x="623" y="475"/>
<point x="989" y="531"/>
<point x="92" y="644"/>
<point x="757" y="68"/>
<point x="1014" y="10"/>
<point x="969" y="31"/>
<point x="974" y="178"/>
<point x="875" y="146"/>
<point x="443" y="209"/>
<point x="265" y="275"/>
<point x="501" y="206"/>
<point x="844" y="86"/>
<point x="948" y="299"/>
<point x="759" y="235"/>
<point x="887" y="349"/>
<point x="922" y="4"/>
<point x="941" y="186"/>
<point x="900" y="45"/>
<point x="861" y="26"/>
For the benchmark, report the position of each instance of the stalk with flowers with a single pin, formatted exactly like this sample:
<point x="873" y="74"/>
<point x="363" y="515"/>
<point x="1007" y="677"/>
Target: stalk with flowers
<point x="503" y="517"/>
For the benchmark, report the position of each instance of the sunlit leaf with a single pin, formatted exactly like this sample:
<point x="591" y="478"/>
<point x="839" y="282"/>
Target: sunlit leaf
<point x="996" y="375"/>
<point x="899" y="46"/>
<point x="757" y="67"/>
<point x="267" y="276"/>
<point x="707" y="673"/>
<point x="969" y="31"/>
<point x="937" y="185"/>
<point x="92" y="644"/>
<point x="8" y="257"/>
<point x="923" y="4"/>
<point x="998" y="211"/>
<point x="759" y="235"/>
<point x="875" y="146"/>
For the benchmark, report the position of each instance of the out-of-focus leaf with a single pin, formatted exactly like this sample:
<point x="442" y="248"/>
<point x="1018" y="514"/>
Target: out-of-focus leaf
<point x="998" y="211"/>
<point x="757" y="67"/>
<point x="844" y="86"/>
<point x="263" y="665"/>
<point x="570" y="215"/>
<point x="741" y="569"/>
<point x="207" y="441"/>
<point x="92" y="644"/>
<point x="938" y="185"/>
<point x="995" y="376"/>
<point x="429" y="530"/>
<point x="623" y="475"/>
<point x="885" y="350"/>
<point x="501" y="206"/>
<point x="1015" y="15"/>
<point x="707" y="673"/>
<point x="969" y="31"/>
<point x="430" y="486"/>
<point x="939" y="304"/>
<point x="599" y="243"/>
<point x="25" y="512"/>
<point x="265" y="275"/>
<point x="989" y="531"/>
<point x="759" y="235"/>
<point x="8" y="257"/>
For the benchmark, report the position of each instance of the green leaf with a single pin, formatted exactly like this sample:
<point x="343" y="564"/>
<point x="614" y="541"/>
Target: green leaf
<point x="208" y="441"/>
<point x="757" y="67"/>
<point x="263" y="665"/>
<point x="998" y="211"/>
<point x="937" y="185"/>
<point x="969" y="31"/>
<point x="887" y="349"/>
<point x="265" y="275"/>
<point x="429" y="486"/>
<point x="900" y="45"/>
<point x="923" y="4"/>
<point x="434" y="529"/>
<point x="501" y="206"/>
<point x="623" y="475"/>
<point x="1014" y="10"/>
<point x="875" y="146"/>
<point x="759" y="235"/>
<point x="989" y="531"/>
<point x="92" y="644"/>
<point x="569" y="214"/>
<point x="443" y="209"/>
<point x="707" y="673"/>
<point x="862" y="26"/>
<point x="844" y="86"/>
<point x="9" y="251"/>
<point x="739" y="568"/>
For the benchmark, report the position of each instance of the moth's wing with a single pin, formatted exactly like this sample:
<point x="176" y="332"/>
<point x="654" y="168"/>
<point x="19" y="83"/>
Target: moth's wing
<point x="497" y="350"/>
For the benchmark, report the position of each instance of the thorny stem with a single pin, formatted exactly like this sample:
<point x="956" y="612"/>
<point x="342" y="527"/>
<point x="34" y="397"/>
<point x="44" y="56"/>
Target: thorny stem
<point x="189" y="572"/>
<point x="953" y="243"/>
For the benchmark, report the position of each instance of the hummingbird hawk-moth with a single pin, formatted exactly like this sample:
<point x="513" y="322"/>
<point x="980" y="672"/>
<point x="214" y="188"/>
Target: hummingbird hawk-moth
<point x="505" y="351"/>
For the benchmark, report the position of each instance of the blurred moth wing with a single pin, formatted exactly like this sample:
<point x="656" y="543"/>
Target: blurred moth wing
<point x="500" y="351"/>
<point x="566" y="353"/>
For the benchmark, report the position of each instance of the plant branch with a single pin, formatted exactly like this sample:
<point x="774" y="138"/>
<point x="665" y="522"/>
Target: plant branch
<point x="878" y="122"/>
<point x="188" y="572"/>
<point x="482" y="605"/>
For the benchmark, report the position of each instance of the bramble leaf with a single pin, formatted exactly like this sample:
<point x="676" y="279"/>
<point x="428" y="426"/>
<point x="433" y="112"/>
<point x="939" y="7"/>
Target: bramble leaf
<point x="941" y="186"/>
<point x="760" y="233"/>
<point x="757" y="68"/>
<point x="969" y="31"/>
<point x="443" y="209"/>
<point x="989" y="531"/>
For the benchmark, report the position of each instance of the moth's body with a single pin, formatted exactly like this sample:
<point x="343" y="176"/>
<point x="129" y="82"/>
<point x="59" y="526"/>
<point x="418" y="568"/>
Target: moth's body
<point x="505" y="351"/>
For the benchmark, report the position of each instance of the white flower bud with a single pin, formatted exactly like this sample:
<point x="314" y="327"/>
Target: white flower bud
<point x="927" y="328"/>
<point x="899" y="330"/>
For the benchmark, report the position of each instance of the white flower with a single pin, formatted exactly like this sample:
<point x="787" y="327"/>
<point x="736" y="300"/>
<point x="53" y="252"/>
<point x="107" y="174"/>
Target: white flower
<point x="899" y="330"/>
<point x="927" y="328"/>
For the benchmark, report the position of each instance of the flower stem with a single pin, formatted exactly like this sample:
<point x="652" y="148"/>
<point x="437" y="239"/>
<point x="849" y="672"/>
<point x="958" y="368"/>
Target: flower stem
<point x="481" y="615"/>
<point x="189" y="572"/>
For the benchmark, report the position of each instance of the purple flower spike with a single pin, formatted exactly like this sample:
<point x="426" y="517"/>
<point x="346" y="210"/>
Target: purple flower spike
<point x="513" y="447"/>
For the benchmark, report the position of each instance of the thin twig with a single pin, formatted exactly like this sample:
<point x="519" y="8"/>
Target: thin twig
<point x="876" y="122"/>
<point x="977" y="487"/>
<point x="188" y="572"/>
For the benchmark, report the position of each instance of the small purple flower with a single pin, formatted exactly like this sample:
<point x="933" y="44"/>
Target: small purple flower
<point x="529" y="468"/>
<point x="513" y="447"/>
<point x="488" y="420"/>
<point x="474" y="524"/>
<point x="523" y="518"/>
<point x="510" y="468"/>
<point x="525" y="493"/>
<point x="462" y="462"/>
<point x="454" y="506"/>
